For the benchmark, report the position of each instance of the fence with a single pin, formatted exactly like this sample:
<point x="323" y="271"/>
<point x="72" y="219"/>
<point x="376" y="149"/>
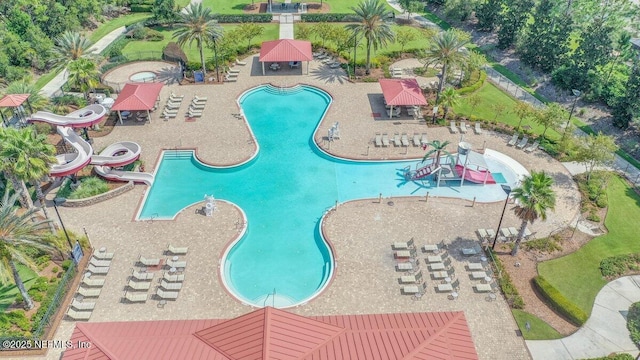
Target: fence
<point x="130" y="57"/>
<point x="45" y="321"/>
<point x="511" y="88"/>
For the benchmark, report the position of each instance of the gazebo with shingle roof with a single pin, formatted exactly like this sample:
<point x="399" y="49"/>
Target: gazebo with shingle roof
<point x="286" y="50"/>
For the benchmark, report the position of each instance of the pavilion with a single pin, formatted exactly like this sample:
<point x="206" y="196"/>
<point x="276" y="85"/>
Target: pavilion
<point x="15" y="101"/>
<point x="138" y="97"/>
<point x="402" y="92"/>
<point x="284" y="50"/>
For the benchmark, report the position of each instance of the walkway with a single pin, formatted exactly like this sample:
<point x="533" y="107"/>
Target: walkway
<point x="286" y="26"/>
<point x="604" y="333"/>
<point x="52" y="87"/>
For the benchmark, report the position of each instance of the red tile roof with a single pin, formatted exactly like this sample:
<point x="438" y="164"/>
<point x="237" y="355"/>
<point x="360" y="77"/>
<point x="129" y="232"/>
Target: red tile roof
<point x="402" y="92"/>
<point x="13" y="100"/>
<point x="138" y="97"/>
<point x="270" y="333"/>
<point x="286" y="50"/>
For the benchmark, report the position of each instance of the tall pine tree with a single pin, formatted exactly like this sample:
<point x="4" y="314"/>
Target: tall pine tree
<point x="488" y="13"/>
<point x="512" y="19"/>
<point x="628" y="108"/>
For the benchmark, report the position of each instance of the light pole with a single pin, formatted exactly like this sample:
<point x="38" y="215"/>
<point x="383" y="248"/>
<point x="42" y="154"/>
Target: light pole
<point x="506" y="189"/>
<point x="577" y="94"/>
<point x="58" y="201"/>
<point x="435" y="106"/>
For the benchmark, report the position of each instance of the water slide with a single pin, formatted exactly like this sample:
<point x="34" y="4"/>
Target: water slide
<point x="120" y="154"/>
<point x="475" y="176"/>
<point x="70" y="163"/>
<point x="85" y="117"/>
<point x="423" y="172"/>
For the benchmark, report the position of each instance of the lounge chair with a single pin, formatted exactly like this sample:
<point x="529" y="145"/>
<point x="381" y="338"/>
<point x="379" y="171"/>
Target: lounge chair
<point x="91" y="282"/>
<point x="396" y="139"/>
<point x="478" y="275"/>
<point x="175" y="250"/>
<point x="533" y="146"/>
<point x="477" y="128"/>
<point x="378" y="140"/>
<point x="505" y="233"/>
<point x="527" y="233"/>
<point x="405" y="254"/>
<point x="403" y="245"/>
<point x="142" y="275"/>
<point x="439" y="266"/>
<point x="228" y="78"/>
<point x="439" y="275"/>
<point x="97" y="270"/>
<point x="523" y="142"/>
<point x="433" y="259"/>
<point x="241" y="63"/>
<point x="423" y="139"/>
<point x="514" y="140"/>
<point x="483" y="234"/>
<point x="463" y="127"/>
<point x="414" y="289"/>
<point x="452" y="127"/>
<point x="172" y="277"/>
<point x="471" y="251"/>
<point x="103" y="255"/>
<point x="404" y="140"/>
<point x="233" y="71"/>
<point x="78" y="315"/>
<point x="449" y="287"/>
<point x="404" y="266"/>
<point x="416" y="139"/>
<point x="196" y="98"/>
<point x="167" y="295"/>
<point x="483" y="288"/>
<point x="169" y="111"/>
<point x="172" y="106"/>
<point x="135" y="297"/>
<point x="139" y="285"/>
<point x="491" y="234"/>
<point x="434" y="247"/>
<point x="174" y="97"/>
<point x="95" y="292"/>
<point x="411" y="279"/>
<point x="169" y="115"/>
<point x="193" y="114"/>
<point x="100" y="263"/>
<point x="170" y="285"/>
<point x="395" y="113"/>
<point x="176" y="264"/>
<point x="230" y="74"/>
<point x="198" y="106"/>
<point x="385" y="140"/>
<point x="79" y="305"/>
<point x="148" y="262"/>
<point x="475" y="266"/>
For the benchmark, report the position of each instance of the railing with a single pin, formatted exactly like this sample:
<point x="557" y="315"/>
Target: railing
<point x="511" y="88"/>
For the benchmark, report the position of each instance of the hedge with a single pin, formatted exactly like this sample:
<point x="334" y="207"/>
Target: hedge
<point x="560" y="303"/>
<point x="243" y="18"/>
<point x="326" y="17"/>
<point x="141" y="8"/>
<point x="473" y="87"/>
<point x="506" y="285"/>
<point x="616" y="266"/>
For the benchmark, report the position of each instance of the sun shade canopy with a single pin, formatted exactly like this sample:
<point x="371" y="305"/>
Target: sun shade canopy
<point x="286" y="50"/>
<point x="402" y="92"/>
<point x="13" y="100"/>
<point x="138" y="97"/>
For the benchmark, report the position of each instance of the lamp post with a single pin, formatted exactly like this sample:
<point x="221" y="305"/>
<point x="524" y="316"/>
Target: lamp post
<point x="435" y="106"/>
<point x="506" y="189"/>
<point x="577" y="94"/>
<point x="58" y="201"/>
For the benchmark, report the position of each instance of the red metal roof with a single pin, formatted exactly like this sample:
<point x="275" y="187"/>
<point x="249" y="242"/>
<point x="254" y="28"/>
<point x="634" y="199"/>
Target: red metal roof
<point x="402" y="92"/>
<point x="141" y="96"/>
<point x="270" y="333"/>
<point x="286" y="50"/>
<point x="13" y="100"/>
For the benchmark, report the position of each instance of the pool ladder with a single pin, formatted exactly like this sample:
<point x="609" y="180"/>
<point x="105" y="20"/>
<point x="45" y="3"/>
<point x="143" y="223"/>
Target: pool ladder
<point x="273" y="301"/>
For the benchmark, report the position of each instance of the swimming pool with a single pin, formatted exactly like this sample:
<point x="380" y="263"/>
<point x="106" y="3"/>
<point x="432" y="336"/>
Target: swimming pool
<point x="282" y="260"/>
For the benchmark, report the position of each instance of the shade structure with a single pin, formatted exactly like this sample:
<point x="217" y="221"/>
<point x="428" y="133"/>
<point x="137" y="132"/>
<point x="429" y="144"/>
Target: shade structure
<point x="134" y="97"/>
<point x="285" y="50"/>
<point x="402" y="92"/>
<point x="13" y="100"/>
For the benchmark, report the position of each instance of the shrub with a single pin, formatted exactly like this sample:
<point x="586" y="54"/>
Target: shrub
<point x="141" y="8"/>
<point x="243" y="18"/>
<point x="317" y="17"/>
<point x="194" y="65"/>
<point x="154" y="35"/>
<point x="593" y="216"/>
<point x="43" y="261"/>
<point x="44" y="306"/>
<point x="508" y="288"/>
<point x="544" y="245"/>
<point x="473" y="87"/>
<point x="66" y="265"/>
<point x="15" y="318"/>
<point x="633" y="322"/>
<point x="69" y="100"/>
<point x="560" y="303"/>
<point x="55" y="270"/>
<point x="615" y="266"/>
<point x="89" y="187"/>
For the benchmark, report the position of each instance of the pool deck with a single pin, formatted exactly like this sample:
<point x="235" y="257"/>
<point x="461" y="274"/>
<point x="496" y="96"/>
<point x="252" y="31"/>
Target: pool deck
<point x="360" y="231"/>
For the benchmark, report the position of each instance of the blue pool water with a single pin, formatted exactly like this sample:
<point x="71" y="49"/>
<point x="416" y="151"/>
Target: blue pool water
<point x="282" y="260"/>
<point x="499" y="178"/>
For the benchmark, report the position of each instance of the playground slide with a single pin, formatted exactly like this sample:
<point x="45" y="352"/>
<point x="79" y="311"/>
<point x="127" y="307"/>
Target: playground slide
<point x="85" y="117"/>
<point x="475" y="176"/>
<point x="70" y="163"/>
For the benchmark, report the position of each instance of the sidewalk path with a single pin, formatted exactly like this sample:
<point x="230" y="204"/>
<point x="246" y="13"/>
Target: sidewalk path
<point x="604" y="333"/>
<point x="56" y="83"/>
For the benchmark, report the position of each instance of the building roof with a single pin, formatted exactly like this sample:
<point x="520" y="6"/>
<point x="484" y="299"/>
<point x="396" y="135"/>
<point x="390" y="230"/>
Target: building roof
<point x="13" y="100"/>
<point x="402" y="92"/>
<point x="140" y="96"/>
<point x="286" y="50"/>
<point x="269" y="333"/>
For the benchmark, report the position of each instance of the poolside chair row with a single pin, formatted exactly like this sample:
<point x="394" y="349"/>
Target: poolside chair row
<point x="396" y="73"/>
<point x="522" y="144"/>
<point x="486" y="234"/>
<point x="382" y="140"/>
<point x="197" y="106"/>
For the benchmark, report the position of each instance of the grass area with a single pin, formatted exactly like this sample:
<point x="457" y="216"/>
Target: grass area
<point x="490" y="95"/>
<point x="436" y="20"/>
<point x="9" y="291"/>
<point x="577" y="276"/>
<point x="538" y="330"/>
<point x="111" y="25"/>
<point x="44" y="79"/>
<point x="587" y="129"/>
<point x="182" y="3"/>
<point x="237" y="6"/>
<point x="272" y="32"/>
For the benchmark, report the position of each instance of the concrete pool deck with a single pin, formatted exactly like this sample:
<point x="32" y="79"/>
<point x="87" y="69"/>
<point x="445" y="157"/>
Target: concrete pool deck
<point x="361" y="231"/>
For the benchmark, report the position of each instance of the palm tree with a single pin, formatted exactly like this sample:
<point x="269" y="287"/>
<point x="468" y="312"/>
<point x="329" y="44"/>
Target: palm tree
<point x="31" y="157"/>
<point x="215" y="38"/>
<point x="446" y="49"/>
<point x="83" y="74"/>
<point x="16" y="233"/>
<point x="197" y="24"/>
<point x="8" y="154"/>
<point x="533" y="198"/>
<point x="71" y="46"/>
<point x="371" y="15"/>
<point x="449" y="99"/>
<point x="437" y="148"/>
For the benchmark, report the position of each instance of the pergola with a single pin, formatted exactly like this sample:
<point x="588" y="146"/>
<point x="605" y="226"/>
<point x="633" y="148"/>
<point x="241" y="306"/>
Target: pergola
<point x="286" y="50"/>
<point x="402" y="92"/>
<point x="137" y="97"/>
<point x="15" y="101"/>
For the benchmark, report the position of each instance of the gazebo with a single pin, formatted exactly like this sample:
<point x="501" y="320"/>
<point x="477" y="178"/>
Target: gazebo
<point x="402" y="92"/>
<point x="15" y="101"/>
<point x="137" y="97"/>
<point x="285" y="50"/>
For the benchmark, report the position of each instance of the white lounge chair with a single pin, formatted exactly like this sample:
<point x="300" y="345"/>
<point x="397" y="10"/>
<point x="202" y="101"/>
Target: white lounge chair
<point x="199" y="106"/>
<point x="477" y="128"/>
<point x="173" y="277"/>
<point x="176" y="264"/>
<point x="514" y="139"/>
<point x="483" y="288"/>
<point x="404" y="266"/>
<point x="416" y="139"/>
<point x="194" y="113"/>
<point x="439" y="266"/>
<point x="170" y="285"/>
<point x="97" y="270"/>
<point x="103" y="255"/>
<point x="95" y="292"/>
<point x="142" y="275"/>
<point x="483" y="234"/>
<point x="100" y="263"/>
<point x="404" y="140"/>
<point x="197" y="98"/>
<point x="172" y="106"/>
<point x="175" y="250"/>
<point x="491" y="234"/>
<point x="411" y="279"/>
<point x="91" y="282"/>
<point x="523" y="142"/>
<point x="396" y="139"/>
<point x="228" y="78"/>
<point x="463" y="127"/>
<point x="452" y="127"/>
<point x="148" y="262"/>
<point x="439" y="275"/>
<point x="414" y="289"/>
<point x="135" y="297"/>
<point x="475" y="266"/>
<point x="174" y="97"/>
<point x="533" y="146"/>
<point x="233" y="71"/>
<point x="79" y="305"/>
<point x="449" y="287"/>
<point x="434" y="247"/>
<point x="241" y="63"/>
<point x="139" y="285"/>
<point x="167" y="115"/>
<point x="478" y="275"/>
<point x="378" y="140"/>
<point x="403" y="245"/>
<point x="423" y="139"/>
<point x="78" y="315"/>
<point x="385" y="140"/>
<point x="167" y="295"/>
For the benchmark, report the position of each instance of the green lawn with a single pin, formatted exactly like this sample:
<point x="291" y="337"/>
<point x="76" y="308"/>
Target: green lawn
<point x="44" y="79"/>
<point x="538" y="330"/>
<point x="9" y="291"/>
<point x="577" y="276"/>
<point x="237" y="6"/>
<point x="109" y="26"/>
<point x="271" y="32"/>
